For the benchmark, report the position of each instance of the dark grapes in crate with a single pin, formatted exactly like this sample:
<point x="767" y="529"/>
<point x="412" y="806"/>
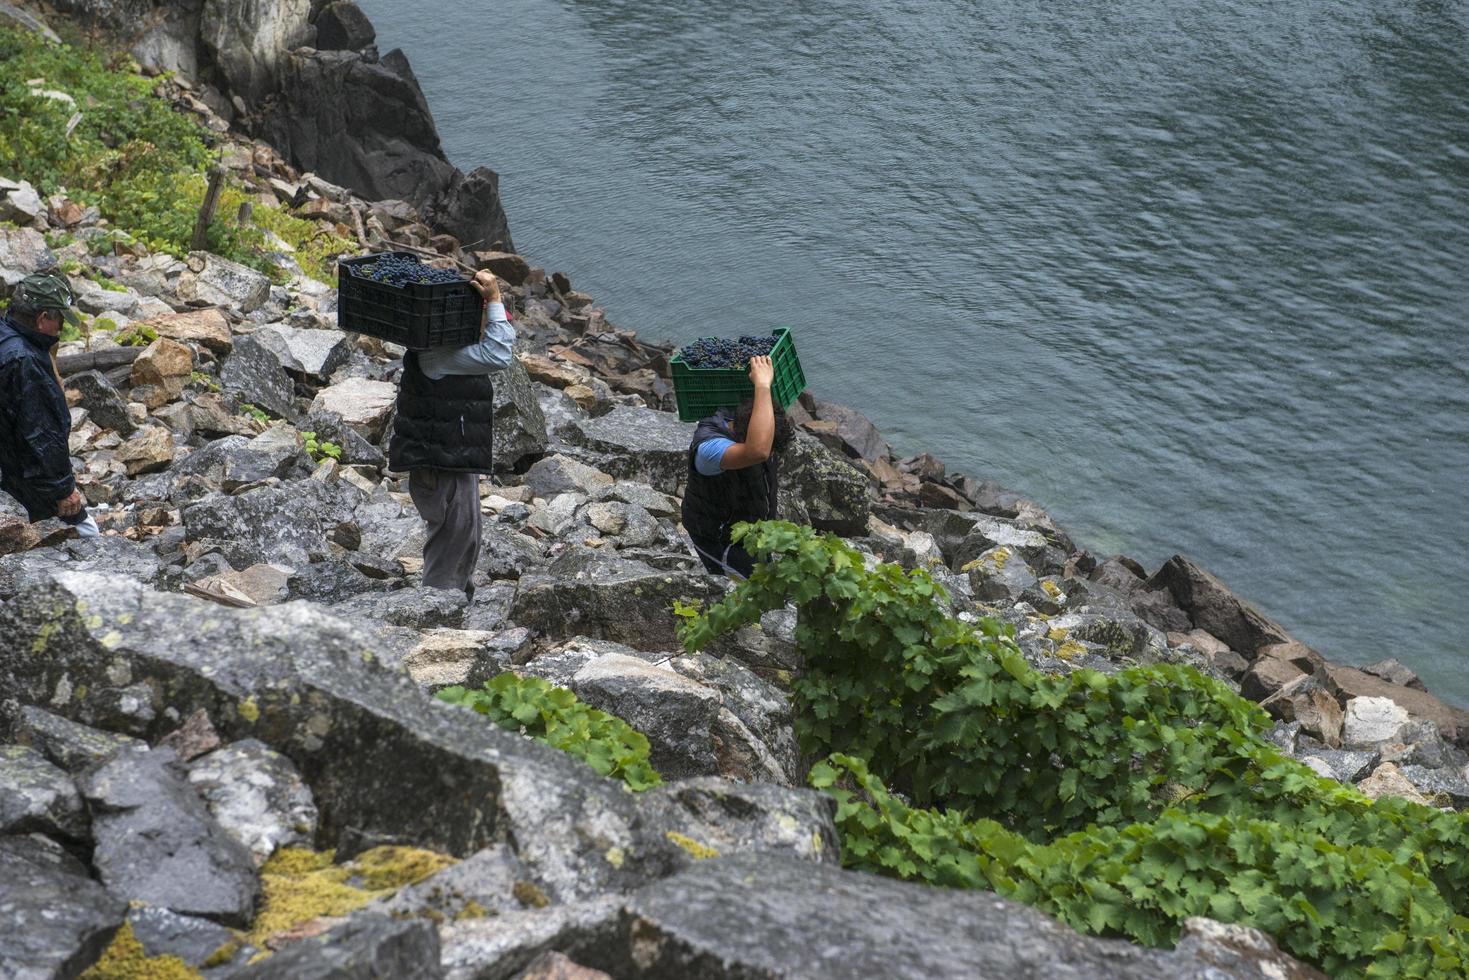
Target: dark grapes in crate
<point x="400" y="270"/>
<point x="718" y="352"/>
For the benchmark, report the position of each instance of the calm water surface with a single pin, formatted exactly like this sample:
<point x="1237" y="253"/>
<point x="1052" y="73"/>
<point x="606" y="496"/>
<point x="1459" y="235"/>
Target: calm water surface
<point x="1194" y="277"/>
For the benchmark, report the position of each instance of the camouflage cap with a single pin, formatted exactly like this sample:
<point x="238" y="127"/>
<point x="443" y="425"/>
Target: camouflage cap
<point x="47" y="291"/>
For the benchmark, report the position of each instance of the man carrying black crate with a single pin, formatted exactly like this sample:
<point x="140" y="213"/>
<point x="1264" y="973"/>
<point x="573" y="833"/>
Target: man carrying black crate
<point x="733" y="474"/>
<point x="443" y="437"/>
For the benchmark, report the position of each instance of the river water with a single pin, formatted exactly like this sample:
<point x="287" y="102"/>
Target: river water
<point x="1195" y="277"/>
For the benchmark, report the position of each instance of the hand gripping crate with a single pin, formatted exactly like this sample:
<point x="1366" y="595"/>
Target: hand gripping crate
<point x="417" y="315"/>
<point x="700" y="391"/>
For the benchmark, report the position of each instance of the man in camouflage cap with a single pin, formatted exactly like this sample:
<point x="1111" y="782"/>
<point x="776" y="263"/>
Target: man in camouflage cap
<point x="35" y="423"/>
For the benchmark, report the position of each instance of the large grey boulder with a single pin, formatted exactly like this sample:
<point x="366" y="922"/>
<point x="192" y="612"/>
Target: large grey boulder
<point x="254" y="374"/>
<point x="272" y="453"/>
<point x="561" y="474"/>
<point x="366" y="947"/>
<point x="820" y="488"/>
<point x="57" y="919"/>
<point x="194" y="940"/>
<point x="639" y="444"/>
<point x="22" y="252"/>
<point x="257" y="796"/>
<point x="385" y="763"/>
<point x="214" y="281"/>
<point x="281" y="525"/>
<point x="1000" y="574"/>
<point x="103" y="403"/>
<point x="520" y="427"/>
<point x="706" y="814"/>
<point x="764" y="916"/>
<point x="342" y="26"/>
<point x="19" y="202"/>
<point x="158" y="843"/>
<point x="626" y="601"/>
<point x="37" y="797"/>
<point x="310" y="352"/>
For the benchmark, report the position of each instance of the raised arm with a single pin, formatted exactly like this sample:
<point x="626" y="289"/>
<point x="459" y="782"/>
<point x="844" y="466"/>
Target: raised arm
<point x="761" y="434"/>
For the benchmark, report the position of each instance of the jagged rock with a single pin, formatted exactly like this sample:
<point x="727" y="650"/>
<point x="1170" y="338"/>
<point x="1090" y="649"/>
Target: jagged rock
<point x="193" y="738"/>
<point x="1304" y="700"/>
<point x="385" y="762"/>
<point x="91" y="298"/>
<point x="19" y="202"/>
<point x="520" y="427"/>
<point x="1000" y="574"/>
<point x="37" y="797"/>
<point x="561" y="474"/>
<point x="1121" y="634"/>
<point x="421" y="608"/>
<point x="257" y="796"/>
<point x="1214" y="949"/>
<point x="363" y="405"/>
<point x="101" y="400"/>
<point x="366" y="947"/>
<point x="758" y="742"/>
<point x="761" y="915"/>
<point x="1348" y="682"/>
<point x="356" y="450"/>
<point x="644" y="496"/>
<point x="317" y="353"/>
<point x="508" y="554"/>
<point x="1266" y="676"/>
<point x="469" y="208"/>
<point x="342" y="26"/>
<point x="819" y="488"/>
<point x="207" y="415"/>
<point x="208" y="328"/>
<point x="468" y="657"/>
<point x="279" y="525"/>
<point x="1369" y="721"/>
<point x="639" y="444"/>
<point x="247" y="41"/>
<point x="730" y="818"/>
<point x="987" y="532"/>
<point x="1157" y="609"/>
<point x="149" y="450"/>
<point x="112" y="554"/>
<point x="1213" y="607"/>
<point x="1344" y="765"/>
<point x="505" y="265"/>
<point x="272" y="453"/>
<point x="194" y="940"/>
<point x="625" y="601"/>
<point x="253" y="374"/>
<point x="1440" y="783"/>
<point x="16" y="535"/>
<point x="57" y="919"/>
<point x="1388" y="780"/>
<point x="157" y="843"/>
<point x="551" y="965"/>
<point x="849" y="431"/>
<point x="215" y="281"/>
<point x="503" y="945"/>
<point x="1395" y="673"/>
<point x="22" y="252"/>
<point x="556" y="516"/>
<point x="64" y="743"/>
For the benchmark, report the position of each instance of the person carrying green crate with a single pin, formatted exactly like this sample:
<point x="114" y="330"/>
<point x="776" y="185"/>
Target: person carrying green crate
<point x="443" y="437"/>
<point x="733" y="474"/>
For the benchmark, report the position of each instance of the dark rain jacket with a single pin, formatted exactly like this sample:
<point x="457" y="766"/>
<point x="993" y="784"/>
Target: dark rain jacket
<point x="35" y="424"/>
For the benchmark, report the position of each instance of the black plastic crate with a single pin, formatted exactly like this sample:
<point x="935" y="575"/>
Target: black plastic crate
<point x="417" y="316"/>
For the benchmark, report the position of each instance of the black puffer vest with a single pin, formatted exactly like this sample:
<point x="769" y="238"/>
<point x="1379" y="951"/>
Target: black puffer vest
<point x="712" y="504"/>
<point x="448" y="424"/>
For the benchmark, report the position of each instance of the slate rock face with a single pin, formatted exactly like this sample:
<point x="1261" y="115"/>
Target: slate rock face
<point x="103" y="403"/>
<point x="280" y="525"/>
<point x="254" y="374"/>
<point x="363" y="948"/>
<point x="626" y="601"/>
<point x="158" y="843"/>
<point x="385" y="763"/>
<point x="66" y="744"/>
<point x="57" y="919"/>
<point x="1213" y="607"/>
<point x="36" y="797"/>
<point x="520" y="427"/>
<point x="639" y="444"/>
<point x="257" y="796"/>
<point x="165" y="933"/>
<point x="820" y="488"/>
<point x="762" y="916"/>
<point x="730" y="817"/>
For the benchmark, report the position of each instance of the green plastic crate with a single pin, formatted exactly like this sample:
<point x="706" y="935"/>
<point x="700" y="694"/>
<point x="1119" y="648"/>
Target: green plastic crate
<point x="701" y="391"/>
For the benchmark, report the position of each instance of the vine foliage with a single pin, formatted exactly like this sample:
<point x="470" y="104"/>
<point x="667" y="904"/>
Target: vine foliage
<point x="555" y="716"/>
<point x="1123" y="803"/>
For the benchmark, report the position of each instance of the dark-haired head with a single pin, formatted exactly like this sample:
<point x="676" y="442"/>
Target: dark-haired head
<point x="782" y="425"/>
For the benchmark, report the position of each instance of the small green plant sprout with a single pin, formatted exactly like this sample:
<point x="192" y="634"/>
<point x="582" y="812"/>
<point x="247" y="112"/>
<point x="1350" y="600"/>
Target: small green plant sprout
<point x="556" y="716"/>
<point x="319" y="449"/>
<point x="136" y="335"/>
<point x="202" y="380"/>
<point x="255" y="413"/>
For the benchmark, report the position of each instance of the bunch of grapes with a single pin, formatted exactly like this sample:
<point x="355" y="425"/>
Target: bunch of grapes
<point x="717" y="352"/>
<point x="401" y="270"/>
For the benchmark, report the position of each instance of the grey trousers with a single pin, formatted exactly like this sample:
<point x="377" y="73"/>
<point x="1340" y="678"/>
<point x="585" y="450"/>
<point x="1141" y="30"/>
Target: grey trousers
<point x="449" y="502"/>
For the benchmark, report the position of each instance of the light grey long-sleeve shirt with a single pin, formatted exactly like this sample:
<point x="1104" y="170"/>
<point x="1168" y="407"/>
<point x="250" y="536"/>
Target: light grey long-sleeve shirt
<point x="491" y="354"/>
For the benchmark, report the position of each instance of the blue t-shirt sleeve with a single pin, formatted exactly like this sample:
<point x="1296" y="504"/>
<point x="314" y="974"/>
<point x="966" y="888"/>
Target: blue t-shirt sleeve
<point x="710" y="452"/>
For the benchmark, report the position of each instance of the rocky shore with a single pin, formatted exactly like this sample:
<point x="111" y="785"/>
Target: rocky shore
<point x="219" y="752"/>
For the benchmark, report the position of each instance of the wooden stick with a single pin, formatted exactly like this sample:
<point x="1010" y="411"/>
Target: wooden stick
<point x="206" y="210"/>
<point x="110" y="357"/>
